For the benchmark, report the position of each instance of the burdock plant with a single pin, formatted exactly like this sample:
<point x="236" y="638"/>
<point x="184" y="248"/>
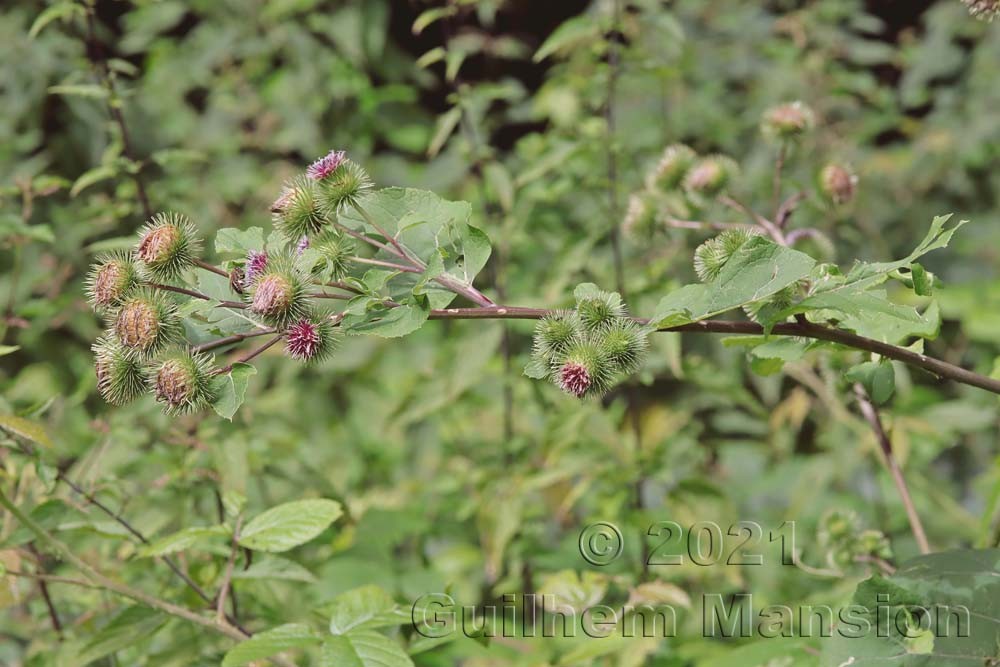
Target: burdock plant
<point x="182" y="382"/>
<point x="168" y="245"/>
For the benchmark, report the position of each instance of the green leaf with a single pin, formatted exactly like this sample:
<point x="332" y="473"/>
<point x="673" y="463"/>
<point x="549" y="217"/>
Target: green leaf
<point x="936" y="588"/>
<point x="446" y="124"/>
<point x="570" y="34"/>
<point x="128" y="628"/>
<point x="79" y="90"/>
<point x="286" y="526"/>
<point x="366" y="607"/>
<point x="90" y="177"/>
<point x="425" y="224"/>
<point x="239" y="241"/>
<point x="25" y="428"/>
<point x="923" y="282"/>
<point x="757" y="270"/>
<point x="277" y="568"/>
<point x="877" y="377"/>
<point x="388" y="323"/>
<point x="230" y="390"/>
<point x="269" y="643"/>
<point x="62" y="11"/>
<point x="363" y="648"/>
<point x="430" y="16"/>
<point x="8" y="349"/>
<point x="181" y="540"/>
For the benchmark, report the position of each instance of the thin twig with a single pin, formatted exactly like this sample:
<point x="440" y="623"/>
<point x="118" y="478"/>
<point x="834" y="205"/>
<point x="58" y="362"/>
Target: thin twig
<point x="870" y="413"/>
<point x="196" y="295"/>
<point x="677" y="223"/>
<point x="776" y="234"/>
<point x="229" y="340"/>
<point x="385" y="264"/>
<point x="249" y="356"/>
<point x="779" y="165"/>
<point x="43" y="588"/>
<point x="227" y="578"/>
<point x="786" y="209"/>
<point x="51" y="578"/>
<point x="399" y="249"/>
<point x="210" y="267"/>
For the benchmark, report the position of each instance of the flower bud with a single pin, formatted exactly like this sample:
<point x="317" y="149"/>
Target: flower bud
<point x="624" y="342"/>
<point x="584" y="371"/>
<point x="279" y="293"/>
<point x="788" y="121"/>
<point x="343" y="188"/>
<point x="146" y="322"/>
<point x="837" y="184"/>
<point x="670" y="170"/>
<point x="599" y="310"/>
<point x="554" y="334"/>
<point x="298" y="211"/>
<point x="712" y="255"/>
<point x="336" y="249"/>
<point x="111" y="279"/>
<point x="710" y="176"/>
<point x="326" y="165"/>
<point x="574" y="379"/>
<point x="121" y="378"/>
<point x="309" y="340"/>
<point x="640" y="216"/>
<point x="167" y="246"/>
<point x="255" y="265"/>
<point x="182" y="382"/>
<point x="984" y="10"/>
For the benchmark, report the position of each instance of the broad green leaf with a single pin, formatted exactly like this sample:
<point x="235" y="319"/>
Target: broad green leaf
<point x="231" y="389"/>
<point x="363" y="648"/>
<point x="25" y="428"/>
<point x="877" y="377"/>
<point x="181" y="540"/>
<point x="239" y="241"/>
<point x="130" y="627"/>
<point x="366" y="607"/>
<point x="388" y="322"/>
<point x="757" y="270"/>
<point x="938" y="589"/>
<point x="8" y="349"/>
<point x="286" y="526"/>
<point x="275" y="567"/>
<point x="269" y="643"/>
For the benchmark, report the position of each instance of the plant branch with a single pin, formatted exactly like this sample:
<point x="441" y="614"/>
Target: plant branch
<point x="385" y="264"/>
<point x="196" y="295"/>
<point x="870" y="413"/>
<point x="802" y="329"/>
<point x="227" y="579"/>
<point x="229" y="340"/>
<point x="249" y="356"/>
<point x="399" y="249"/>
<point x="677" y="223"/>
<point x="776" y="234"/>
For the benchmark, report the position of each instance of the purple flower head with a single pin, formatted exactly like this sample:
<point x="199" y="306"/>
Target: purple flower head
<point x="303" y="244"/>
<point x="256" y="263"/>
<point x="303" y="340"/>
<point x="574" y="379"/>
<point x="326" y="165"/>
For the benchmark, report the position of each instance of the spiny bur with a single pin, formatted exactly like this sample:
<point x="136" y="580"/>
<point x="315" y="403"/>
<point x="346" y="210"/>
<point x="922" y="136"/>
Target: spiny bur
<point x="168" y="245"/>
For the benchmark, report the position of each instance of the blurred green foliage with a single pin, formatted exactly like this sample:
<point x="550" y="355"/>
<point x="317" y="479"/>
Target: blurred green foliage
<point x="454" y="472"/>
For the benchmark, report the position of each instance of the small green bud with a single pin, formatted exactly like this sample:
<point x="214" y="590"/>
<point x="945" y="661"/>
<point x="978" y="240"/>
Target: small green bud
<point x="585" y="370"/>
<point x="669" y="172"/>
<point x="297" y="212"/>
<point x="712" y="255"/>
<point x="624" y="342"/>
<point x="343" y="188"/>
<point x="640" y="216"/>
<point x="837" y="183"/>
<point x="599" y="310"/>
<point x="168" y="244"/>
<point x="279" y="294"/>
<point x="121" y="377"/>
<point x="554" y="334"/>
<point x="710" y="176"/>
<point x="788" y="121"/>
<point x="336" y="249"/>
<point x="146" y="322"/>
<point x="111" y="279"/>
<point x="183" y="382"/>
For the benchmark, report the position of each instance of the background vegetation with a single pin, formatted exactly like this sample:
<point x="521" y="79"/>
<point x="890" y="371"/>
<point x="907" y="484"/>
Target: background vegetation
<point x="454" y="471"/>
